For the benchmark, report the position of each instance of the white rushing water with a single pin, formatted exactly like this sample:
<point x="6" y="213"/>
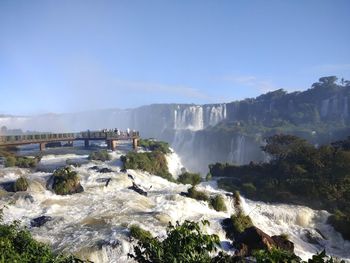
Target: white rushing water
<point x="198" y="117"/>
<point x="93" y="224"/>
<point x="236" y="154"/>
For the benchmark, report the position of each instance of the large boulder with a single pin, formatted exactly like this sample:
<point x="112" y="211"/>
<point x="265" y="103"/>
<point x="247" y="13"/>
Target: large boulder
<point x="255" y="239"/>
<point x="283" y="243"/>
<point x="40" y="221"/>
<point x="65" y="182"/>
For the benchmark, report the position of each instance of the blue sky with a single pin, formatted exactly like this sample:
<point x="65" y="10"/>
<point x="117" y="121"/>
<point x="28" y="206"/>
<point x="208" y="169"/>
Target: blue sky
<point x="62" y="56"/>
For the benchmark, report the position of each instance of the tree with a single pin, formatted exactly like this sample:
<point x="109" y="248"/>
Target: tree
<point x="184" y="243"/>
<point x="328" y="80"/>
<point x="279" y="146"/>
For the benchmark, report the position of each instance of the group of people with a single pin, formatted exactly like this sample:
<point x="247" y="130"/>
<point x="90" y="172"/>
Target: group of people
<point x="118" y="132"/>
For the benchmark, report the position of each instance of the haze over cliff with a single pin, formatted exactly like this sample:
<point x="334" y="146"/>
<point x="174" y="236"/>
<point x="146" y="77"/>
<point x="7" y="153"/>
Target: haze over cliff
<point x="231" y="132"/>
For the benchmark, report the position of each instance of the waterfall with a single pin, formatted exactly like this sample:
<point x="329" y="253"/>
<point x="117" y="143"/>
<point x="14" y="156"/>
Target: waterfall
<point x="198" y="117"/>
<point x="216" y="114"/>
<point x="237" y="152"/>
<point x="189" y="117"/>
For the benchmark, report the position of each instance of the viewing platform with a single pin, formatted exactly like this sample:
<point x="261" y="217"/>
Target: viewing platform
<point x="111" y="138"/>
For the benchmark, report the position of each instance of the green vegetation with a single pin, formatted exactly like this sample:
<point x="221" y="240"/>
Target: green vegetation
<point x="17" y="245"/>
<point x="276" y="255"/>
<point x="208" y="177"/>
<point x="140" y="234"/>
<point x="153" y="145"/>
<point x="298" y="173"/>
<point x="218" y="203"/>
<point x="66" y="181"/>
<point x="198" y="195"/>
<point x="184" y="243"/>
<point x="341" y="223"/>
<point x="21" y="184"/>
<point x="240" y="222"/>
<point x="152" y="162"/>
<point x="297" y="113"/>
<point x="12" y="160"/>
<point x="101" y="155"/>
<point x="189" y="178"/>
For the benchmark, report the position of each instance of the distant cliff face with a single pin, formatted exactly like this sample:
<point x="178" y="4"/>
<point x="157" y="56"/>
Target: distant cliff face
<point x="231" y="132"/>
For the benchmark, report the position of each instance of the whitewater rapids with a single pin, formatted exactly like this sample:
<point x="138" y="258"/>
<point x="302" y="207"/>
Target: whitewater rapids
<point x="94" y="224"/>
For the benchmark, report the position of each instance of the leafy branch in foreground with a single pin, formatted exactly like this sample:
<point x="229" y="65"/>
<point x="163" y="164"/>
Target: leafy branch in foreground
<point x="17" y="245"/>
<point x="184" y="243"/>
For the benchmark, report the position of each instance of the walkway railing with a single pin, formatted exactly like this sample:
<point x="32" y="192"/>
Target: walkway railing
<point x="47" y="137"/>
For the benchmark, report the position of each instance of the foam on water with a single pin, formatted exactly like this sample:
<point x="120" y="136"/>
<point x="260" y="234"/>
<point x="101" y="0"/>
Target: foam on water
<point x="93" y="224"/>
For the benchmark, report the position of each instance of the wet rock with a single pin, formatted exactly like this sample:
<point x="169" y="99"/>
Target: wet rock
<point x="321" y="234"/>
<point x="312" y="237"/>
<point x="283" y="243"/>
<point x="108" y="243"/>
<point x="29" y="198"/>
<point x="73" y="163"/>
<point x="105" y="170"/>
<point x="103" y="180"/>
<point x="40" y="221"/>
<point x="65" y="181"/>
<point x="138" y="189"/>
<point x="101" y="170"/>
<point x="131" y="177"/>
<point x="185" y="194"/>
<point x="253" y="238"/>
<point x="95" y="168"/>
<point x="8" y="186"/>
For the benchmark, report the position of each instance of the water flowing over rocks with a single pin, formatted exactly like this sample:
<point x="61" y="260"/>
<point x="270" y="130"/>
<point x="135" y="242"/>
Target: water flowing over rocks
<point x="94" y="224"/>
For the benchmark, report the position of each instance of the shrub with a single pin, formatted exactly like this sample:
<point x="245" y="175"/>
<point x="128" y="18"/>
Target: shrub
<point x="140" y="234"/>
<point x="21" y="161"/>
<point x="198" y="195"/>
<point x="249" y="188"/>
<point x="153" y="145"/>
<point x="21" y="184"/>
<point x="25" y="162"/>
<point x="341" y="223"/>
<point x="102" y="155"/>
<point x="208" y="177"/>
<point x="237" y="200"/>
<point x="152" y="162"/>
<point x="10" y="161"/>
<point x="17" y="245"/>
<point x="66" y="181"/>
<point x="275" y="255"/>
<point x="184" y="243"/>
<point x="240" y="222"/>
<point x="189" y="178"/>
<point x="285" y="236"/>
<point x="218" y="203"/>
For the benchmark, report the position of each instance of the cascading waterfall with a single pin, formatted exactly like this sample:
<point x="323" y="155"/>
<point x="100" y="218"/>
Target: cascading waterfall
<point x="198" y="117"/>
<point x="93" y="224"/>
<point x="216" y="114"/>
<point x="237" y="151"/>
<point x="190" y="117"/>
